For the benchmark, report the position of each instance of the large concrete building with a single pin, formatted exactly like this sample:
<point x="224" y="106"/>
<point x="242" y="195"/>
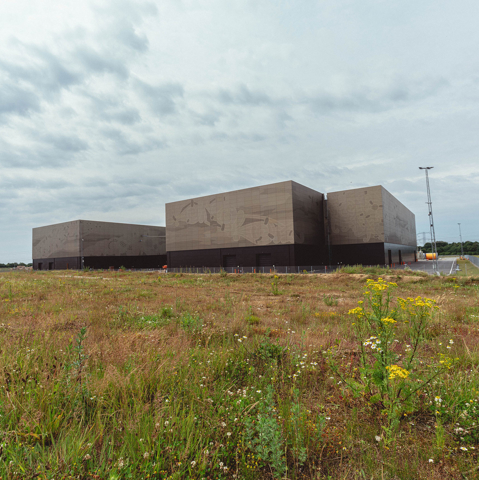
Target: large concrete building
<point x="83" y="243"/>
<point x="278" y="224"/>
<point x="282" y="224"/>
<point x="289" y="224"/>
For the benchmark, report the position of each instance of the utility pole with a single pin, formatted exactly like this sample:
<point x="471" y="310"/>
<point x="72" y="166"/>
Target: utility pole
<point x="460" y="236"/>
<point x="423" y="237"/>
<point x="431" y="221"/>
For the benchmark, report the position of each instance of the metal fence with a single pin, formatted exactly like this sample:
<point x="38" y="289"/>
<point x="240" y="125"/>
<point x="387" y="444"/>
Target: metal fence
<point x="268" y="270"/>
<point x="473" y="259"/>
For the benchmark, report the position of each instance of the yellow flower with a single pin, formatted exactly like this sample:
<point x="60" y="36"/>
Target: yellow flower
<point x="358" y="311"/>
<point x="388" y="320"/>
<point x="395" y="371"/>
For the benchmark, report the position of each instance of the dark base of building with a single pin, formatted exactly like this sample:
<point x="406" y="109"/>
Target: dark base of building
<point x="278" y="255"/>
<point x="373" y="254"/>
<point x="102" y="262"/>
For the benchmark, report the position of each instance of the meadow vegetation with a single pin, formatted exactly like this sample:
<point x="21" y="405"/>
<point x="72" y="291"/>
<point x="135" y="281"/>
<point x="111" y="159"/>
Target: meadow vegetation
<point x="134" y="375"/>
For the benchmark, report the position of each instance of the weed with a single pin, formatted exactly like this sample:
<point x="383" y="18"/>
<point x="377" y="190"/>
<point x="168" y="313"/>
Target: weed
<point x="190" y="323"/>
<point x="330" y="301"/>
<point x="264" y="437"/>
<point x="274" y="286"/>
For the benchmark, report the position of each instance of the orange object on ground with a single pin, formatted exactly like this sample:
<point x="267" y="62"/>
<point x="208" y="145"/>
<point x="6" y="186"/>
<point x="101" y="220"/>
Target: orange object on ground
<point x="431" y="256"/>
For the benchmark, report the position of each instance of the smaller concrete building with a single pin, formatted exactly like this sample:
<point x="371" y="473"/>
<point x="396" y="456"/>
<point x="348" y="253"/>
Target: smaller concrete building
<point x="84" y="243"/>
<point x="370" y="226"/>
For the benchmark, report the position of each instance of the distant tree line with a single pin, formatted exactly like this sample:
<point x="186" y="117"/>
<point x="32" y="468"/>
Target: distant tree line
<point x="444" y="248"/>
<point x="15" y="264"/>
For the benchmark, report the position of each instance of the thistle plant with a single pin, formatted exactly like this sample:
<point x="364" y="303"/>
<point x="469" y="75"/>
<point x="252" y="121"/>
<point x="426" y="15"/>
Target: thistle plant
<point x="388" y="372"/>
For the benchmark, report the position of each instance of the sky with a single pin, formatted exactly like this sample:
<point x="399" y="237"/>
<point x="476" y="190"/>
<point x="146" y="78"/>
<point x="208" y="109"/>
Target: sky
<point x="110" y="109"/>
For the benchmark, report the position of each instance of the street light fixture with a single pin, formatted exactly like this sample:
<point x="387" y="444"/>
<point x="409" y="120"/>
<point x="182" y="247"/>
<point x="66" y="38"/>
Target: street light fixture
<point x="431" y="221"/>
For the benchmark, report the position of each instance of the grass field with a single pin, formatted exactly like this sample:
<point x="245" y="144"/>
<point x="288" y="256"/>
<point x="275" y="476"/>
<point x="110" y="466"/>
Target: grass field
<point x="467" y="268"/>
<point x="124" y="375"/>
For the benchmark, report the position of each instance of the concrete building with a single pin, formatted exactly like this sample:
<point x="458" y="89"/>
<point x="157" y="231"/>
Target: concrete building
<point x="282" y="224"/>
<point x="278" y="224"/>
<point x="370" y="226"/>
<point x="287" y="224"/>
<point x="98" y="245"/>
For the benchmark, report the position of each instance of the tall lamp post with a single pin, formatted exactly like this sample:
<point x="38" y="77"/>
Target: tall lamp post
<point x="460" y="236"/>
<point x="431" y="221"/>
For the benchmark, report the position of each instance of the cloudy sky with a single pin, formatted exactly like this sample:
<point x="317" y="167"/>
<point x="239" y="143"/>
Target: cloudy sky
<point x="110" y="109"/>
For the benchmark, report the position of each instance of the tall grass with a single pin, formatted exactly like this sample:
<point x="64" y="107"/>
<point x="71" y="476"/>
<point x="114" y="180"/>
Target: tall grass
<point x="130" y="375"/>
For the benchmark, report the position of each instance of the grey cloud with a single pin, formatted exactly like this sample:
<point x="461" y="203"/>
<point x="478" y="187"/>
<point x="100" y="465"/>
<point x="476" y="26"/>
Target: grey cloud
<point x="44" y="71"/>
<point x="244" y="96"/>
<point x="17" y="100"/>
<point x="241" y="137"/>
<point x="125" y="33"/>
<point x="162" y="99"/>
<point x="20" y="182"/>
<point x="371" y="100"/>
<point x="134" y="11"/>
<point x="96" y="62"/>
<point x="125" y="146"/>
<point x="207" y="119"/>
<point x="25" y="86"/>
<point x="111" y="109"/>
<point x="66" y="143"/>
<point x="49" y="152"/>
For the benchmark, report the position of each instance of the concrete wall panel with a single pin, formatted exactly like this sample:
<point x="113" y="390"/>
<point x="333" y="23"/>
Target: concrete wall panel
<point x="255" y="216"/>
<point x="356" y="216"/>
<point x="60" y="240"/>
<point x="308" y="216"/>
<point x="121" y="239"/>
<point x="399" y="221"/>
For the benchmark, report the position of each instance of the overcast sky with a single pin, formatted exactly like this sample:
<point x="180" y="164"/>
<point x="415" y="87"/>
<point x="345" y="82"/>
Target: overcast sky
<point x="110" y="109"/>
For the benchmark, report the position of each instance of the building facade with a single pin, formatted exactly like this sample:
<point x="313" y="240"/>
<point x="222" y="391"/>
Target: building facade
<point x="83" y="243"/>
<point x="282" y="224"/>
<point x="278" y="224"/>
<point x="370" y="226"/>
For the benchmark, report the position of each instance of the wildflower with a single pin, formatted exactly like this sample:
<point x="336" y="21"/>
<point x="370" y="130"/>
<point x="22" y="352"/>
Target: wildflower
<point x="146" y="455"/>
<point x="193" y="463"/>
<point x="378" y="438"/>
<point x="431" y="460"/>
<point x="167" y="423"/>
<point x="228" y="433"/>
<point x="396" y="371"/>
<point x="388" y="320"/>
<point x="464" y="449"/>
<point x="87" y="457"/>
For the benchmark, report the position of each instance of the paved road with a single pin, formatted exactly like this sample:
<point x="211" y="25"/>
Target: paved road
<point x="444" y="265"/>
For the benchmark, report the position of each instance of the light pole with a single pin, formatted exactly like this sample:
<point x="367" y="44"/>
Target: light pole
<point x="431" y="221"/>
<point x="460" y="236"/>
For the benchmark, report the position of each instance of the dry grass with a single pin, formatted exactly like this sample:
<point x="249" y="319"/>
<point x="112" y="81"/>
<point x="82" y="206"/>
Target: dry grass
<point x="165" y="348"/>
